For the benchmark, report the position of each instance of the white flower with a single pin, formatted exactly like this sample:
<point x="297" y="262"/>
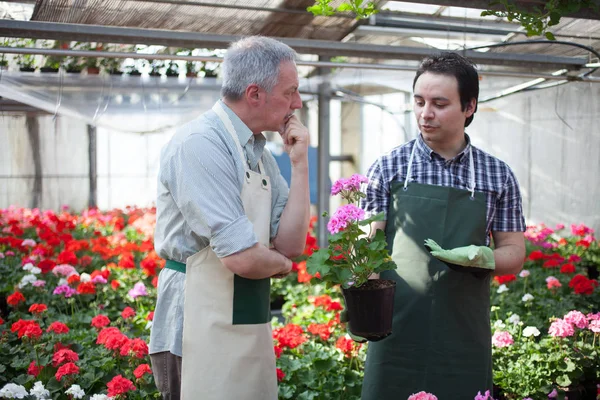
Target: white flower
<point x="99" y="397"/>
<point x="26" y="280"/>
<point x="28" y="266"/>
<point x="85" y="277"/>
<point x="503" y="288"/>
<point x="527" y="297"/>
<point x="499" y="325"/>
<point x="13" y="391"/>
<point x="550" y="278"/>
<point x="514" y="319"/>
<point x="524" y="273"/>
<point x="62" y="281"/>
<point x="76" y="391"/>
<point x="39" y="391"/>
<point x="531" y="331"/>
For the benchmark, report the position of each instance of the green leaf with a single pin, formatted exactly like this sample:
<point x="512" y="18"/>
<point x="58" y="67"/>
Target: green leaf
<point x="324" y="365"/>
<point x="344" y="7"/>
<point x="549" y="36"/>
<point x="563" y="380"/>
<point x="53" y="385"/>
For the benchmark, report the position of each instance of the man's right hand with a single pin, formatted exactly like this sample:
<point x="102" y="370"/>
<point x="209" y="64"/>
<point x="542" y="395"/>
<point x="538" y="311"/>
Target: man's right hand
<point x="287" y="268"/>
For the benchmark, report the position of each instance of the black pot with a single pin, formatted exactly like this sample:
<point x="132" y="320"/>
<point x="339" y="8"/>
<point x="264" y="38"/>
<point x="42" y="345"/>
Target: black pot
<point x="592" y="271"/>
<point x="49" y="70"/>
<point x="26" y="69"/>
<point x="371" y="309"/>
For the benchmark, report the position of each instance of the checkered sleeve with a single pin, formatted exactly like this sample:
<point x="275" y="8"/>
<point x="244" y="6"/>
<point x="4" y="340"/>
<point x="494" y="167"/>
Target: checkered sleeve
<point x="377" y="190"/>
<point x="509" y="207"/>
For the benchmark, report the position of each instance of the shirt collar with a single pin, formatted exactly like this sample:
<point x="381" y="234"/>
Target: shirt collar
<point x="253" y="144"/>
<point x="425" y="151"/>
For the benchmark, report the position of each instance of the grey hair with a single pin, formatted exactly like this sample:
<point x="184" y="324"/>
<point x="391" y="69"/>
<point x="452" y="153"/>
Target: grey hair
<point x="253" y="60"/>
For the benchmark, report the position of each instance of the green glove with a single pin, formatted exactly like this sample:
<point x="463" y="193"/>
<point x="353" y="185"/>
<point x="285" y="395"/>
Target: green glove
<point x="468" y="256"/>
<point x="356" y="338"/>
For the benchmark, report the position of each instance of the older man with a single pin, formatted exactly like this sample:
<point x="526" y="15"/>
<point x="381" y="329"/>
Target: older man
<point x="227" y="224"/>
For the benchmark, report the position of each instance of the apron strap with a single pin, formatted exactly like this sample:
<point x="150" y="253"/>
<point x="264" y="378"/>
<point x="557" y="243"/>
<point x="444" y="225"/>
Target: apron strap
<point x="410" y="161"/>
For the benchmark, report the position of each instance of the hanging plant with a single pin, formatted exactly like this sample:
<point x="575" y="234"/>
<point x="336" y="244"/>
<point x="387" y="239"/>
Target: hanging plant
<point x="536" y="20"/>
<point x="323" y="7"/>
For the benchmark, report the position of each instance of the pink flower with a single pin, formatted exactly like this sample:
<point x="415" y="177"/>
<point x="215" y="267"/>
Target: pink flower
<point x="552" y="282"/>
<point x="574" y="258"/>
<point x="422" y="396"/>
<point x="576" y="318"/>
<point x="65" y="290"/>
<point x="351" y="184"/>
<point x="485" y="396"/>
<point x="64" y="270"/>
<point x="561" y="328"/>
<point x="39" y="283"/>
<point x="139" y="289"/>
<point x="553" y="394"/>
<point x="594" y="326"/>
<point x="591" y="316"/>
<point x="99" y="279"/>
<point x="502" y="339"/>
<point x="342" y="216"/>
<point x="28" y="243"/>
<point x="559" y="227"/>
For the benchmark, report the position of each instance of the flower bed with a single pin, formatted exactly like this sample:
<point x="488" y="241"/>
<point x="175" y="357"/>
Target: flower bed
<point x="78" y="291"/>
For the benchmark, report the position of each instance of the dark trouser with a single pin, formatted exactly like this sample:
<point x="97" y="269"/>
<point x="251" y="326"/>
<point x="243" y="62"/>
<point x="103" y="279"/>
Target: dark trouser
<point x="166" y="368"/>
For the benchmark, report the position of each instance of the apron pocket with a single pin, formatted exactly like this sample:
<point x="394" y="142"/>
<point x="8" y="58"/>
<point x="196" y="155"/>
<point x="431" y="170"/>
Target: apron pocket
<point x="251" y="301"/>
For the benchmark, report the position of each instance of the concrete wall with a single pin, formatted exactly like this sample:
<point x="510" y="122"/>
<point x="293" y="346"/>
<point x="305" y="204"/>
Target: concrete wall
<point x="551" y="140"/>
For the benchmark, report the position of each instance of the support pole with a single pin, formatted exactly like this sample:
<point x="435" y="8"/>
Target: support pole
<point x="33" y="131"/>
<point x="324" y="183"/>
<point x="93" y="171"/>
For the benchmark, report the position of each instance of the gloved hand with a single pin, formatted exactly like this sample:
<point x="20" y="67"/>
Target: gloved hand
<point x="468" y="256"/>
<point x="344" y="318"/>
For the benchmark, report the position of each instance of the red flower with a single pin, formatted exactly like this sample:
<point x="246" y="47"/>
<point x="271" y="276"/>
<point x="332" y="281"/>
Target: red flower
<point x="155" y="281"/>
<point x="58" y="328"/>
<point x="46" y="265"/>
<point x="148" y="264"/>
<point x="100" y="321"/>
<point x="280" y="375"/>
<point x="66" y="369"/>
<point x="85" y="261"/>
<point x="303" y="275"/>
<point x="127" y="261"/>
<point x="1" y="321"/>
<point x="536" y="255"/>
<point x="552" y="263"/>
<point x="37" y="308"/>
<point x="567" y="268"/>
<point x="583" y="285"/>
<point x="29" y="329"/>
<point x="63" y="356"/>
<point x="34" y="369"/>
<point x="503" y="279"/>
<point x="86" y="288"/>
<point x="115" y="284"/>
<point x="119" y="385"/>
<point x="150" y="316"/>
<point x="278" y="350"/>
<point x="321" y="330"/>
<point x="73" y="279"/>
<point x="15" y="298"/>
<point x="347" y="346"/>
<point x="135" y="347"/>
<point x="141" y="370"/>
<point x="127" y="313"/>
<point x="290" y="336"/>
<point x="67" y="257"/>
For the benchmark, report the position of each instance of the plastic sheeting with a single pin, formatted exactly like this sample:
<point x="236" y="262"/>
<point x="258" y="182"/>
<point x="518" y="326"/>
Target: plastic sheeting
<point x="126" y="103"/>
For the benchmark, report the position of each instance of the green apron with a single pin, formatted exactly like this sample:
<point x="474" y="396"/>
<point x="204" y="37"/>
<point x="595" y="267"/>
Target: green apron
<point x="441" y="337"/>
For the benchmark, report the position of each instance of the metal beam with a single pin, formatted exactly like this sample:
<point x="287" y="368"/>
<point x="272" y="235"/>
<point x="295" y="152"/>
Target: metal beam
<point x="108" y="34"/>
<point x="324" y="183"/>
<point x="439" y="25"/>
<point x="585" y="13"/>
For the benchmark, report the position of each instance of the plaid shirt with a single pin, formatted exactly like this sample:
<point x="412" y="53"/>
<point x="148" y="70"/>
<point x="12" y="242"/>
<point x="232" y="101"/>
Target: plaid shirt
<point x="492" y="177"/>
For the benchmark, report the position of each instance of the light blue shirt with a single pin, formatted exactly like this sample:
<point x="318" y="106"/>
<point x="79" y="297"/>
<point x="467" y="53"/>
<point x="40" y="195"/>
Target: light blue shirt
<point x="199" y="204"/>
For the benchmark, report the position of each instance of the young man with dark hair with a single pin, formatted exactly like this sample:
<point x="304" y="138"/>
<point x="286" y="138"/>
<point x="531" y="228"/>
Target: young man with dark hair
<point x="443" y="197"/>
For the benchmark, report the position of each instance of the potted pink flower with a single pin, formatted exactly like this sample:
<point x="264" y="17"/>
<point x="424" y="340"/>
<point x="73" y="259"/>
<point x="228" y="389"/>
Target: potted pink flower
<point x="352" y="256"/>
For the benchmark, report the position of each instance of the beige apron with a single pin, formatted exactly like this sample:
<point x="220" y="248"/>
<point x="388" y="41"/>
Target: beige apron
<point x="227" y="341"/>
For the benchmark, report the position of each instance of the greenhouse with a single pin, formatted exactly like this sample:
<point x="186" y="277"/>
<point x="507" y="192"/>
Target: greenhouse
<point x="95" y="95"/>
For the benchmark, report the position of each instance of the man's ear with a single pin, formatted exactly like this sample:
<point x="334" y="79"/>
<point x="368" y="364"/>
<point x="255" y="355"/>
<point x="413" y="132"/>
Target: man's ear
<point x="253" y="94"/>
<point x="471" y="107"/>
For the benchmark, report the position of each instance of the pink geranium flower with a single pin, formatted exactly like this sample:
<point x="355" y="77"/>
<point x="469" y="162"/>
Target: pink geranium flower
<point x="502" y="339"/>
<point x="422" y="396"/>
<point x="576" y="318"/>
<point x="561" y="328"/>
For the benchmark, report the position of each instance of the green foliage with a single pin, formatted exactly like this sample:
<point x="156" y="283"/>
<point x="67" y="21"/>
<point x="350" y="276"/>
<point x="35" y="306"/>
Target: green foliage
<point x="536" y="20"/>
<point x="323" y="8"/>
